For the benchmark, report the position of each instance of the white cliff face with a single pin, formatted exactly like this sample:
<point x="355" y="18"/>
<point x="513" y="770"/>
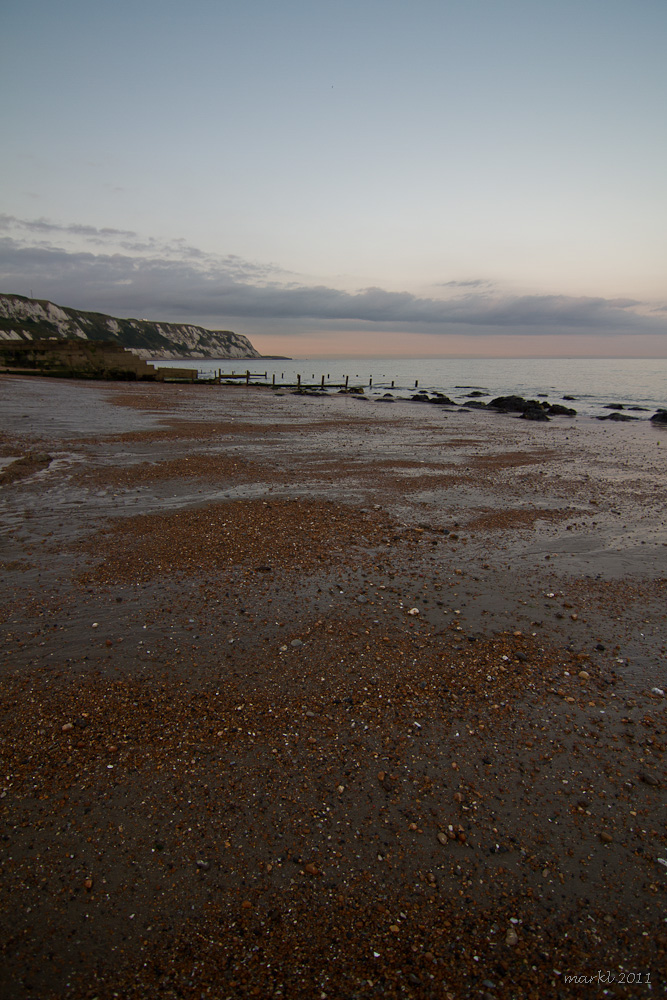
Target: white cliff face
<point x="32" y="319"/>
<point x="31" y="311"/>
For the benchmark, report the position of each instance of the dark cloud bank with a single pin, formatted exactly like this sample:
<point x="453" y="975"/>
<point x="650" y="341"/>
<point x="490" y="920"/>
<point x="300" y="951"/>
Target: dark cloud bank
<point x="171" y="281"/>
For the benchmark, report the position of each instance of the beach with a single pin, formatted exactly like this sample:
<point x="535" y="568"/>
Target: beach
<point x="328" y="697"/>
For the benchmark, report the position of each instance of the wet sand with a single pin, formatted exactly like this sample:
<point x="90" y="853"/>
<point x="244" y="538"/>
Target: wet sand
<point x="336" y="698"/>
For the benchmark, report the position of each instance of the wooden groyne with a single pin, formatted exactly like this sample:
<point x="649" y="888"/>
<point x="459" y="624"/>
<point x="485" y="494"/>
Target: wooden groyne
<point x="262" y="379"/>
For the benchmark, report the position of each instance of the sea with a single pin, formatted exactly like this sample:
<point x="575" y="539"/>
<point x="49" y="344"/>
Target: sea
<point x="594" y="383"/>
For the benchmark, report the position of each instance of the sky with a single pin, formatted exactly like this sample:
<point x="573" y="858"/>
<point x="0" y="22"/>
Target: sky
<point x="412" y="178"/>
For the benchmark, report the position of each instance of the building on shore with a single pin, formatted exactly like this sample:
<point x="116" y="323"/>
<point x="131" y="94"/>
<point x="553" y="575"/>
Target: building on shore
<point x="100" y="359"/>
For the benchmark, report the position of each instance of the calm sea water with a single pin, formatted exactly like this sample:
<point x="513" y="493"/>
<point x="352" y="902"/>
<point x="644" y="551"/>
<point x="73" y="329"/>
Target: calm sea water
<point x="593" y="382"/>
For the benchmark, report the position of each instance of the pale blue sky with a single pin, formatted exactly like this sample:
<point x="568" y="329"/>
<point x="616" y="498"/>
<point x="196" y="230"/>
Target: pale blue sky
<point x="488" y="168"/>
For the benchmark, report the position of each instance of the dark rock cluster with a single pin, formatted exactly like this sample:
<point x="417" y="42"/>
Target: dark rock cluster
<point x="530" y="409"/>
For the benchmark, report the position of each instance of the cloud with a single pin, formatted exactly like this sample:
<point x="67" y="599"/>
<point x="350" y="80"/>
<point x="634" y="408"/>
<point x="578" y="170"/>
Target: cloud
<point x="471" y="283"/>
<point x="171" y="280"/>
<point x="60" y="238"/>
<point x="9" y="222"/>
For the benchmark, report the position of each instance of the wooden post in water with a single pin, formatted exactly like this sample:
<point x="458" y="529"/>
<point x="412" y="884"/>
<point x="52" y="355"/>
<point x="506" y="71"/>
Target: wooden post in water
<point x="416" y="383"/>
<point x="392" y="383"/>
<point x="322" y="384"/>
<point x="273" y="380"/>
<point x="247" y="377"/>
<point x="298" y="381"/>
<point x="347" y="379"/>
<point x="370" y="382"/>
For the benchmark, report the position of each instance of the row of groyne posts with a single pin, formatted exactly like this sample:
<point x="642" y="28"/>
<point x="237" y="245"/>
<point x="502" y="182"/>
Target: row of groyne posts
<point x="262" y="378"/>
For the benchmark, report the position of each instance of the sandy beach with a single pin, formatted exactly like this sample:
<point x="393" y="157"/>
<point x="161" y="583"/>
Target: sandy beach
<point x="328" y="698"/>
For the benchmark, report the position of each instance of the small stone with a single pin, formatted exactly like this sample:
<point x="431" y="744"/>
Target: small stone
<point x="606" y="838"/>
<point x="458" y="797"/>
<point x="246" y="905"/>
<point x="413" y="611"/>
<point x="442" y="838"/>
<point x="88" y="883"/>
<point x="511" y="938"/>
<point x="584" y="674"/>
<point x="574" y="616"/>
<point x="311" y="869"/>
<point x="394" y="928"/>
<point x="203" y="865"/>
<point x="67" y="727"/>
<point x="649" y="779"/>
<point x="340" y="789"/>
<point x="296" y="643"/>
<point x="95" y="625"/>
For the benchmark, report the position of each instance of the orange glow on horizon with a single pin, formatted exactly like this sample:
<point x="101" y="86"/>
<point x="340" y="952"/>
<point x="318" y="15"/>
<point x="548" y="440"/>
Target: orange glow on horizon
<point x="348" y="344"/>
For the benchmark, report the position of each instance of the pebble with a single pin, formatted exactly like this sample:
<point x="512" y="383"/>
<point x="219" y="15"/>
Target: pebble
<point x="296" y="642"/>
<point x="67" y="727"/>
<point x="606" y="838"/>
<point x="181" y="730"/>
<point x="413" y="611"/>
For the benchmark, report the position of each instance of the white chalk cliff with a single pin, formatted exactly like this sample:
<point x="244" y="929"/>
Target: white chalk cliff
<point x="24" y="319"/>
